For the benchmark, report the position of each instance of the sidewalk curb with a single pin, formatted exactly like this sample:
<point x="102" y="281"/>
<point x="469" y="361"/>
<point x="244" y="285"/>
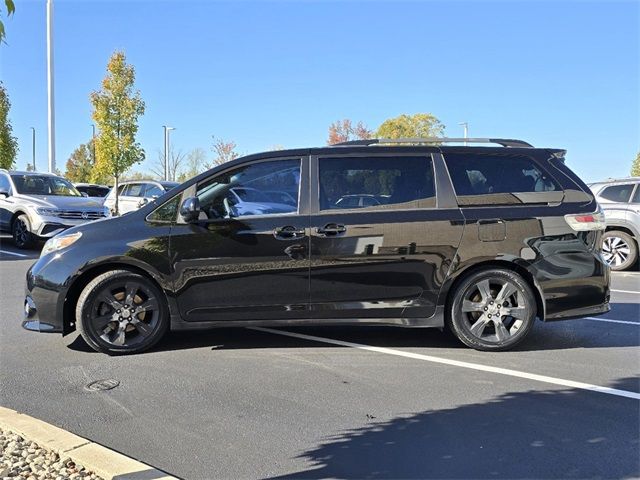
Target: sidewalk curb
<point x="103" y="461"/>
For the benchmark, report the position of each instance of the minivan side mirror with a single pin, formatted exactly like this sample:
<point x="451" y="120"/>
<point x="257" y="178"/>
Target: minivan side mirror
<point x="190" y="209"/>
<point x="4" y="193"/>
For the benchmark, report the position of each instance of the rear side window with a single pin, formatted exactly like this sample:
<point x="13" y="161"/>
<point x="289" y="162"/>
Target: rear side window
<point x="495" y="178"/>
<point x="617" y="193"/>
<point x="134" y="190"/>
<point x="376" y="183"/>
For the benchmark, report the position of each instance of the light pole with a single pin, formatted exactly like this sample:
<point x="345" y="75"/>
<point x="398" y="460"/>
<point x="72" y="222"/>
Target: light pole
<point x="167" y="129"/>
<point x="465" y="125"/>
<point x="93" y="143"/>
<point x="33" y="146"/>
<point x="50" y="109"/>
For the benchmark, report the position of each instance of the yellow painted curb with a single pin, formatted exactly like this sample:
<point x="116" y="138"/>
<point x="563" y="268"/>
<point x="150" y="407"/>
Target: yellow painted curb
<point x="103" y="461"/>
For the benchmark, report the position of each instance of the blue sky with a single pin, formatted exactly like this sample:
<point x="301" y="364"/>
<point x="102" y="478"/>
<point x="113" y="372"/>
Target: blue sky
<point x="558" y="74"/>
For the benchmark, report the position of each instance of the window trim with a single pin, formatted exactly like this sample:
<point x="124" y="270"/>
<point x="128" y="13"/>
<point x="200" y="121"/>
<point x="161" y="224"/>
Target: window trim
<point x="303" y="200"/>
<point x="314" y="182"/>
<point x="636" y="191"/>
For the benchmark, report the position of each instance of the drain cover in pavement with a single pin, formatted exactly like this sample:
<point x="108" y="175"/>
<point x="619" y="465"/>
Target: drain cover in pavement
<point x="101" y="385"/>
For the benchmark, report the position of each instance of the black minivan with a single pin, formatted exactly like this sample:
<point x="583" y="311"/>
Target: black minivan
<point x="410" y="232"/>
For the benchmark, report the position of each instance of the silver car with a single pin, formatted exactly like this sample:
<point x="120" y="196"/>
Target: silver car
<point x="40" y="205"/>
<point x="620" y="200"/>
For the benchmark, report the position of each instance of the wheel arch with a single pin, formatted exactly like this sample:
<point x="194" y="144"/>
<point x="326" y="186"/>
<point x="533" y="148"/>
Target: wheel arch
<point x="81" y="281"/>
<point x="620" y="228"/>
<point x="458" y="276"/>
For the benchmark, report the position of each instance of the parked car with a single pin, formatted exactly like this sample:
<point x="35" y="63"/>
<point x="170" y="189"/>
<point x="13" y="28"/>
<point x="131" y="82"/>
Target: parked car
<point x="135" y="194"/>
<point x="482" y="240"/>
<point x="36" y="205"/>
<point x="92" y="189"/>
<point x="620" y="200"/>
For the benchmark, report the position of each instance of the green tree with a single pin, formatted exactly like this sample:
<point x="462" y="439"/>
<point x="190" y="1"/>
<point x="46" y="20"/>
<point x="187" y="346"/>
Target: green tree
<point x="80" y="165"/>
<point x="8" y="143"/>
<point x="116" y="108"/>
<point x="635" y="166"/>
<point x="10" y="8"/>
<point x="419" y="125"/>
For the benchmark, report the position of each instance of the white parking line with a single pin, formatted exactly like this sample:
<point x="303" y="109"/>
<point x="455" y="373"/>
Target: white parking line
<point x="625" y="291"/>
<point x="457" y="363"/>
<point x="609" y="320"/>
<point x="12" y="253"/>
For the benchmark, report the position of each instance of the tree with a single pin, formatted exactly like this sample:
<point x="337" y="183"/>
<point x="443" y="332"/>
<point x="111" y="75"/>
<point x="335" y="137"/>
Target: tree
<point x="344" y="131"/>
<point x="116" y="108"/>
<point x="635" y="166"/>
<point x="223" y="152"/>
<point x="419" y="125"/>
<point x="80" y="164"/>
<point x="10" y="8"/>
<point x="8" y="143"/>
<point x="196" y="164"/>
<point x="174" y="161"/>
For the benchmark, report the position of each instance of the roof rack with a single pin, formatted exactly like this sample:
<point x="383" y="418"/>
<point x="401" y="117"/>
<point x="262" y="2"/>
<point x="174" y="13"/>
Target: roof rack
<point x="505" y="142"/>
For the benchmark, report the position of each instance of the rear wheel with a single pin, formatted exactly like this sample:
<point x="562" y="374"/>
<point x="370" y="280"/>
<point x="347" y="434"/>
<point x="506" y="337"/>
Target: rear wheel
<point x="492" y="310"/>
<point x="121" y="312"/>
<point x="22" y="234"/>
<point x="619" y="250"/>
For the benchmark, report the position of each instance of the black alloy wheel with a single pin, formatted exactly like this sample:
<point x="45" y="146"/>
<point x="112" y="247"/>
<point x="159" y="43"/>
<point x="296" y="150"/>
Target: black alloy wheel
<point x="121" y="312"/>
<point x="492" y="310"/>
<point x="21" y="231"/>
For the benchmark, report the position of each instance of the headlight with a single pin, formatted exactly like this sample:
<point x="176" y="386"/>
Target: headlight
<point x="59" y="242"/>
<point x="51" y="212"/>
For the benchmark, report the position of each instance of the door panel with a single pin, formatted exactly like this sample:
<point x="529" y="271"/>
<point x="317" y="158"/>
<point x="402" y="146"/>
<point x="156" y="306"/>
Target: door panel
<point x="247" y="259"/>
<point x="379" y="247"/>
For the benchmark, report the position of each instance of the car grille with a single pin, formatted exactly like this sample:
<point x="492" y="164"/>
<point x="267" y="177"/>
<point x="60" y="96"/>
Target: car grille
<point x="78" y="214"/>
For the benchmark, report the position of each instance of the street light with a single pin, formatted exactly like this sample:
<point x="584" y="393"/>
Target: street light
<point x="50" y="109"/>
<point x="166" y="150"/>
<point x="33" y="146"/>
<point x="465" y="125"/>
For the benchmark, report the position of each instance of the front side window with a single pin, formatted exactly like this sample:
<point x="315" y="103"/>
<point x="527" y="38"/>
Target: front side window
<point x="495" y="178"/>
<point x="617" y="193"/>
<point x="153" y="191"/>
<point x="44" y="185"/>
<point x="385" y="182"/>
<point x="263" y="188"/>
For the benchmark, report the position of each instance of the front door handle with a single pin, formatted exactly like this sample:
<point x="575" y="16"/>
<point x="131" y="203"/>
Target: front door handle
<point x="331" y="230"/>
<point x="288" y="233"/>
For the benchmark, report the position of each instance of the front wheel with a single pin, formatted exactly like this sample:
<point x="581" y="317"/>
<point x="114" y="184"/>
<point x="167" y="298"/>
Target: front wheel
<point x="492" y="310"/>
<point x="619" y="250"/>
<point x="121" y="312"/>
<point x="23" y="237"/>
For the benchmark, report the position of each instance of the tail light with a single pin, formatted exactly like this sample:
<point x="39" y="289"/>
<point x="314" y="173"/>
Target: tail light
<point x="586" y="221"/>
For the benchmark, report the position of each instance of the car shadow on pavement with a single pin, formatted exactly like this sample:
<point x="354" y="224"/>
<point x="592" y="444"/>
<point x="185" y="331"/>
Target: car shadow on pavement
<point x="533" y="434"/>
<point x="563" y="335"/>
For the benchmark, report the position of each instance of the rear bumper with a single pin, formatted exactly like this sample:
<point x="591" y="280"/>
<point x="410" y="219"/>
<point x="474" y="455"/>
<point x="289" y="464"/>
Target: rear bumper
<point x="573" y="285"/>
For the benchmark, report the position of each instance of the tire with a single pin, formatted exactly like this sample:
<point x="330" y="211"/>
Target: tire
<point x="121" y="312"/>
<point x="619" y="250"/>
<point x="479" y="307"/>
<point x="23" y="237"/>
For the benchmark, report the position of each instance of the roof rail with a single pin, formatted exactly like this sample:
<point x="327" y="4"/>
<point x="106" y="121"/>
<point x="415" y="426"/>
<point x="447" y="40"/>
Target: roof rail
<point x="505" y="142"/>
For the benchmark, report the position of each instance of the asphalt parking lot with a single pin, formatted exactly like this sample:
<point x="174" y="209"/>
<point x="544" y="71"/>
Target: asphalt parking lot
<point x="343" y="402"/>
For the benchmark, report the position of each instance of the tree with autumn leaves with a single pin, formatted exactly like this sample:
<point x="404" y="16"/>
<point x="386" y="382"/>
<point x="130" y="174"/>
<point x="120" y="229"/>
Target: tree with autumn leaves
<point x="419" y="125"/>
<point x="116" y="108"/>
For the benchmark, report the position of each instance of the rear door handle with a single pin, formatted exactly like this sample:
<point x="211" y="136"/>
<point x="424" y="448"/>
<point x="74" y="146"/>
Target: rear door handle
<point x="288" y="232"/>
<point x="331" y="230"/>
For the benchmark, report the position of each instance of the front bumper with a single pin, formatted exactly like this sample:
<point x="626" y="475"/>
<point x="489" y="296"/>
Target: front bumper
<point x="49" y="226"/>
<point x="32" y="321"/>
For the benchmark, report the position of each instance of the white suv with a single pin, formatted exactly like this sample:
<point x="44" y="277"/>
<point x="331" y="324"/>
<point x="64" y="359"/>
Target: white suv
<point x="135" y="194"/>
<point x="620" y="200"/>
<point x="37" y="205"/>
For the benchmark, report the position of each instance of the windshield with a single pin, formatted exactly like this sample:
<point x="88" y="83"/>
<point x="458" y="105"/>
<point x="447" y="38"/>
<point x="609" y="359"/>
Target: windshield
<point x="44" y="185"/>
